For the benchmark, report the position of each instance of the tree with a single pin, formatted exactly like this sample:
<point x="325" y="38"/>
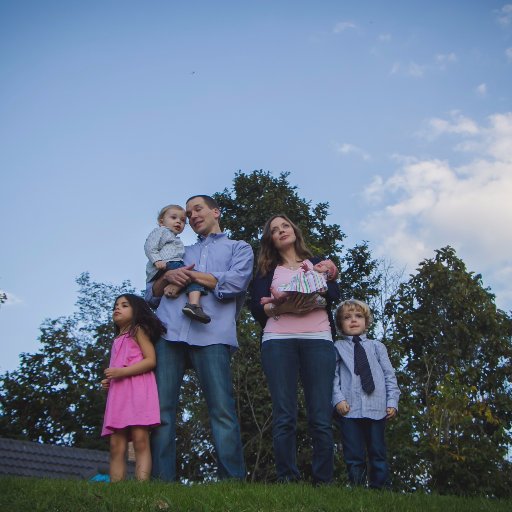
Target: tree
<point x="54" y="396"/>
<point x="455" y="350"/>
<point x="246" y="207"/>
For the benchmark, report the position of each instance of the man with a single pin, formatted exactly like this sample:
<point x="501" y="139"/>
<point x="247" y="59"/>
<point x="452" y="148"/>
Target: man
<point x="223" y="266"/>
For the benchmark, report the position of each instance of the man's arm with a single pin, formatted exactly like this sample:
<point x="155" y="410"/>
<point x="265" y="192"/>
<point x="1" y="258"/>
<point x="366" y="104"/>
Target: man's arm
<point x="179" y="277"/>
<point x="234" y="281"/>
<point x="203" y="278"/>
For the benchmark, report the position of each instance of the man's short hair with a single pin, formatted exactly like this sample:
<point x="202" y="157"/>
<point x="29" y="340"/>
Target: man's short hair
<point x="209" y="201"/>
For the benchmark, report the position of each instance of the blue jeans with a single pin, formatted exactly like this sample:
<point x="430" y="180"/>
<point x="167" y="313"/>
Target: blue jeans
<point x="212" y="366"/>
<point x="313" y="360"/>
<point x="360" y="436"/>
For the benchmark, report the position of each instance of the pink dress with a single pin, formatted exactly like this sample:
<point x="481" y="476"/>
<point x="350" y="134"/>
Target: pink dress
<point x="131" y="401"/>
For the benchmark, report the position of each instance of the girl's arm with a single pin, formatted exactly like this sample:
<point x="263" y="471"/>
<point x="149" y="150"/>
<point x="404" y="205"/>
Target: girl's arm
<point x="147" y="364"/>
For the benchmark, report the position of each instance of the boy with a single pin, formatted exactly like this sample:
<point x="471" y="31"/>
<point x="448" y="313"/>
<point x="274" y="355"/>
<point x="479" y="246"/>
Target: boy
<point x="365" y="395"/>
<point x="165" y="251"/>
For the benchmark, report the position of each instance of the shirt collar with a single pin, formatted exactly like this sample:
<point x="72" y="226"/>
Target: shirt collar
<point x="349" y="338"/>
<point x="210" y="237"/>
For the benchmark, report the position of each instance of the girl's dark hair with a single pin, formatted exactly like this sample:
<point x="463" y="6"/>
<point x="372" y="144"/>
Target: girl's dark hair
<point x="143" y="317"/>
<point x="268" y="256"/>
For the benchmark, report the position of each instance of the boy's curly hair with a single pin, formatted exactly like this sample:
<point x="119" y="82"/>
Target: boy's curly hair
<point x="352" y="304"/>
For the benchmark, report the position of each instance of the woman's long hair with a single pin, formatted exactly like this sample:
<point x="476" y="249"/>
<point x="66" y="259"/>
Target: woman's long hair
<point x="268" y="256"/>
<point x="143" y="317"/>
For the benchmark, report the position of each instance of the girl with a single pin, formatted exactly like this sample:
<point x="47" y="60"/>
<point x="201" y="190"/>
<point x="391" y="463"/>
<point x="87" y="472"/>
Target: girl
<point x="297" y="342"/>
<point x="132" y="401"/>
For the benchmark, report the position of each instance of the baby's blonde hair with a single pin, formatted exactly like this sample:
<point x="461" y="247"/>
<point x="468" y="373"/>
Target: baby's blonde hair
<point x="350" y="305"/>
<point x="165" y="209"/>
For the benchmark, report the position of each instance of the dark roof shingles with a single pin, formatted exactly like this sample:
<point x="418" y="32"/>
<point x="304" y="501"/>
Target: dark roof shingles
<point x="25" y="458"/>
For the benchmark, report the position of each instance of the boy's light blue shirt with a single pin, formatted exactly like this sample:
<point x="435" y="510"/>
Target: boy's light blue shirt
<point x="347" y="385"/>
<point x="230" y="262"/>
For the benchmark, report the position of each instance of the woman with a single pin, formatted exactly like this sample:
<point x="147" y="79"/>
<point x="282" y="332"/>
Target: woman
<point x="297" y="341"/>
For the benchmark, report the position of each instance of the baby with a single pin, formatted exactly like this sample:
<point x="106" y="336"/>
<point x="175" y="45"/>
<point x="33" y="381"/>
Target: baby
<point x="165" y="251"/>
<point x="312" y="279"/>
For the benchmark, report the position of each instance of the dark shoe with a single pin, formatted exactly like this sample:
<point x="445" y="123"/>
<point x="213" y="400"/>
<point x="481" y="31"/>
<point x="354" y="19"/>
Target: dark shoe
<point x="196" y="313"/>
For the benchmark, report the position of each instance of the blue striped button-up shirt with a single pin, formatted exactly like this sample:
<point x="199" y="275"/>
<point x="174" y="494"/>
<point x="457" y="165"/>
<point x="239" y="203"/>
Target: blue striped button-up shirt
<point x="230" y="262"/>
<point x="347" y="385"/>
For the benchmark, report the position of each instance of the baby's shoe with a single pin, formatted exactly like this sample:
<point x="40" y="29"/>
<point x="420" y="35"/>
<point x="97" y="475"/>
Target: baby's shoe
<point x="196" y="313"/>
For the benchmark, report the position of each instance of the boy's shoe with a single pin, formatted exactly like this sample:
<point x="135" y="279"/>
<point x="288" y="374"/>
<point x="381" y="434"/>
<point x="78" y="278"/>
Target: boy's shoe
<point x="196" y="313"/>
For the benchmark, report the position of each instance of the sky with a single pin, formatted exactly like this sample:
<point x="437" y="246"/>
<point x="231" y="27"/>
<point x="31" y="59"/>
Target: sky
<point x="396" y="113"/>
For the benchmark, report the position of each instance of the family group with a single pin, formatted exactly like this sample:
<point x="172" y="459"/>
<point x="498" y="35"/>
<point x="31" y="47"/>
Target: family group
<point x="197" y="293"/>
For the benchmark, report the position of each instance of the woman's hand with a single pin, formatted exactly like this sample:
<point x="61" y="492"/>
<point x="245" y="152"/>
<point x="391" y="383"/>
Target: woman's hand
<point x="298" y="304"/>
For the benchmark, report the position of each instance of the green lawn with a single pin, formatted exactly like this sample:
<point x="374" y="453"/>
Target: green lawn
<point x="32" y="495"/>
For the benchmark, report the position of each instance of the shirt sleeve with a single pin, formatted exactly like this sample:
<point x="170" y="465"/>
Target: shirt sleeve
<point x="150" y="298"/>
<point x="234" y="281"/>
<point x="151" y="245"/>
<point x="337" y="393"/>
<point x="392" y="390"/>
<point x="260" y="288"/>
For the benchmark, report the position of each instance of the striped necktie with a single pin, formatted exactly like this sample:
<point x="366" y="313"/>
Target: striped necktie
<point x="362" y="367"/>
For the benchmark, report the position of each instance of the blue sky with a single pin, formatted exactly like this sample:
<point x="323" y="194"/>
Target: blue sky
<point x="398" y="114"/>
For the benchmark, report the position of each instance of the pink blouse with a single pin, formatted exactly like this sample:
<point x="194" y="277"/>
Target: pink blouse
<point x="288" y="323"/>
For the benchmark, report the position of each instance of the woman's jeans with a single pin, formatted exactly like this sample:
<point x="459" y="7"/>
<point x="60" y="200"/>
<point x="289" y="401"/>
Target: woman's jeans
<point x="313" y="360"/>
<point x="362" y="437"/>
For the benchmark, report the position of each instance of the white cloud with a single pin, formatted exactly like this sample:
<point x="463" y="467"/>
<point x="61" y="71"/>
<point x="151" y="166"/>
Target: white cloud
<point x="341" y="26"/>
<point x="443" y="59"/>
<point x="508" y="54"/>
<point x="481" y="90"/>
<point x="429" y="203"/>
<point x="416" y="70"/>
<point x="395" y="68"/>
<point x="11" y="299"/>
<point x="412" y="69"/>
<point x="385" y="38"/>
<point x="347" y="149"/>
<point x="457" y="124"/>
<point x="504" y="15"/>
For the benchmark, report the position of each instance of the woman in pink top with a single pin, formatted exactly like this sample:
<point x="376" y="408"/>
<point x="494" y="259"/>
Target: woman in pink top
<point x="297" y="341"/>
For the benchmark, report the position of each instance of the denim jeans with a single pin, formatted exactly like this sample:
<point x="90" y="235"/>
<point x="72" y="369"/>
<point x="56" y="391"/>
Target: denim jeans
<point x="360" y="436"/>
<point x="313" y="360"/>
<point x="212" y="366"/>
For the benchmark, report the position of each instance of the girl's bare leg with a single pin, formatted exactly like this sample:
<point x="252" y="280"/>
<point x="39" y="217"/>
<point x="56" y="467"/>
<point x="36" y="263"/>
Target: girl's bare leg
<point x="118" y="446"/>
<point x="140" y="438"/>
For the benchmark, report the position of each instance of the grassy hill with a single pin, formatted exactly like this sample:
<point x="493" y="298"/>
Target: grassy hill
<point x="33" y="495"/>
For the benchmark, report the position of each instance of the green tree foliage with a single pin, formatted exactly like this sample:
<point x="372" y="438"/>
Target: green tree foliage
<point x="256" y="196"/>
<point x="454" y="346"/>
<point x="246" y="207"/>
<point x="54" y="396"/>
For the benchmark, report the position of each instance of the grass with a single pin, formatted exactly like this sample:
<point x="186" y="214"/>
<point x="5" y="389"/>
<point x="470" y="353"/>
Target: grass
<point x="33" y="495"/>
